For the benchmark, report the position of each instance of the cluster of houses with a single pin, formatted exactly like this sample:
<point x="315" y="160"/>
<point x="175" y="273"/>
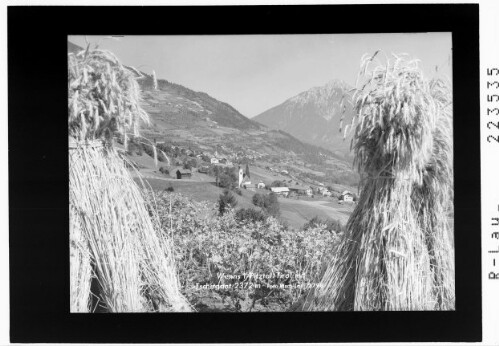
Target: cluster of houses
<point x="324" y="191"/>
<point x="248" y="185"/>
<point x="346" y="195"/>
<point x="220" y="159"/>
<point x="292" y="191"/>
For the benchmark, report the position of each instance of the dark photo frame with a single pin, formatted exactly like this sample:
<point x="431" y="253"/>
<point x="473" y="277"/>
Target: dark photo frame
<point x="38" y="175"/>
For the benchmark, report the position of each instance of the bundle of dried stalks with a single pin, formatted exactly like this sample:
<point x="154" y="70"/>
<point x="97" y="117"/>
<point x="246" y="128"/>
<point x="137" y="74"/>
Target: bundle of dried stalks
<point x="103" y="98"/>
<point x="106" y="206"/>
<point x="434" y="199"/>
<point x="109" y="215"/>
<point x="81" y="269"/>
<point x="396" y="255"/>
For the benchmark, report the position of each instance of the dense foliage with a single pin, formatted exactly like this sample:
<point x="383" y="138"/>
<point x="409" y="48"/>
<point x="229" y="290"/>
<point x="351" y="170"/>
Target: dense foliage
<point x="268" y="202"/>
<point x="250" y="215"/>
<point x="333" y="226"/>
<point x="236" y="249"/>
<point x="226" y="201"/>
<point x="226" y="177"/>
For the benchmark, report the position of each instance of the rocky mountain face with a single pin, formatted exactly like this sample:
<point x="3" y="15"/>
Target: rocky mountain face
<point x="314" y="116"/>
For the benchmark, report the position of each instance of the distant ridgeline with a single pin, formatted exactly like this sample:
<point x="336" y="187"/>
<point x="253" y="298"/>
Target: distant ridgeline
<point x="220" y="112"/>
<point x="173" y="107"/>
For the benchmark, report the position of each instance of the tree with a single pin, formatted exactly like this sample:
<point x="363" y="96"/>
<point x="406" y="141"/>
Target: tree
<point x="258" y="200"/>
<point x="272" y="205"/>
<point x="247" y="171"/>
<point x="193" y="163"/>
<point x="225" y="201"/>
<point x="225" y="181"/>
<point x="269" y="203"/>
<point x="164" y="170"/>
<point x="251" y="215"/>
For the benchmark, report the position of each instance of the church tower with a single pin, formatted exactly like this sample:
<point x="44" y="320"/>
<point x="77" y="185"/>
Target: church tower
<point x="241" y="176"/>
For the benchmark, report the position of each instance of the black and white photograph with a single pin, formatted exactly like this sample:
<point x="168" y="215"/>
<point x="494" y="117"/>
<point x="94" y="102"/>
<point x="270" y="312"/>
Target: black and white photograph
<point x="251" y="173"/>
<point x="261" y="173"/>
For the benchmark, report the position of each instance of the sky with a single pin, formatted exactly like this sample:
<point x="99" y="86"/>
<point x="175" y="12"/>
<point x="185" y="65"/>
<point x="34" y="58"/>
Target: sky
<point x="256" y="72"/>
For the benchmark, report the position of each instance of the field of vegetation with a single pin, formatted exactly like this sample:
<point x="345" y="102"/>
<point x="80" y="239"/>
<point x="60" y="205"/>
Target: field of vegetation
<point x="243" y="261"/>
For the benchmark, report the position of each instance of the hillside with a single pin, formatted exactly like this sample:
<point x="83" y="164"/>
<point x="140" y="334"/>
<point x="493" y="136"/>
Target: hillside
<point x="184" y="117"/>
<point x="185" y="106"/>
<point x="73" y="48"/>
<point x="313" y="116"/>
<point x="189" y="124"/>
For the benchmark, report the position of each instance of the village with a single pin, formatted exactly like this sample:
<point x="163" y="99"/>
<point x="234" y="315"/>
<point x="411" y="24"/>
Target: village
<point x="203" y="175"/>
<point x="265" y="177"/>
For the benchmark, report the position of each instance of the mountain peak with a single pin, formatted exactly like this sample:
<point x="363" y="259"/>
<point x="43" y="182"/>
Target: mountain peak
<point x="313" y="116"/>
<point x="338" y="84"/>
<point x="321" y="95"/>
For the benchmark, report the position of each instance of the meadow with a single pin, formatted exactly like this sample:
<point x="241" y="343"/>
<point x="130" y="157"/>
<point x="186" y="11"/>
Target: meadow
<point x="294" y="212"/>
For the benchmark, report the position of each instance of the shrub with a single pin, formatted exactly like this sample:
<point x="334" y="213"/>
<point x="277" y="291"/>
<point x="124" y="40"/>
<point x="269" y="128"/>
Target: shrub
<point x="329" y="224"/>
<point x="147" y="148"/>
<point x="161" y="157"/>
<point x="258" y="200"/>
<point x="272" y="204"/>
<point x="225" y="181"/>
<point x="164" y="170"/>
<point x="269" y="203"/>
<point x="170" y="189"/>
<point x="250" y="215"/>
<point x="226" y="201"/>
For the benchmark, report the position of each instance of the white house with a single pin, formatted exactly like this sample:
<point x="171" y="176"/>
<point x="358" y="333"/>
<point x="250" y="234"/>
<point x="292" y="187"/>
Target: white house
<point x="214" y="160"/>
<point x="261" y="185"/>
<point x="280" y="191"/>
<point x="326" y="193"/>
<point x="246" y="183"/>
<point x="346" y="196"/>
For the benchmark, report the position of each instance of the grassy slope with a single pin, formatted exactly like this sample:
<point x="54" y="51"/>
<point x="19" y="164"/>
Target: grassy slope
<point x="294" y="212"/>
<point x="201" y="187"/>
